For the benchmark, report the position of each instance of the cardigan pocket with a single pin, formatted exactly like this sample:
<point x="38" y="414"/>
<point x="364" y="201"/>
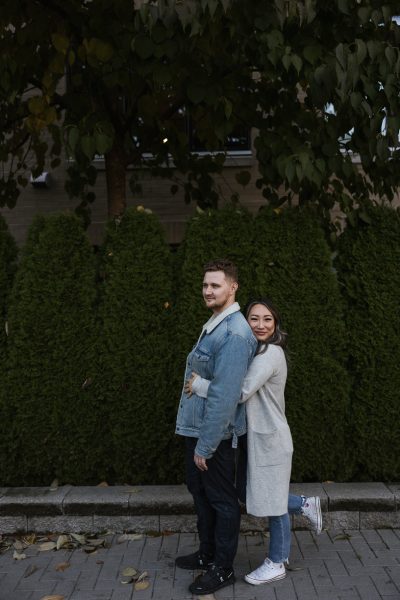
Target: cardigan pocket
<point x="266" y="449"/>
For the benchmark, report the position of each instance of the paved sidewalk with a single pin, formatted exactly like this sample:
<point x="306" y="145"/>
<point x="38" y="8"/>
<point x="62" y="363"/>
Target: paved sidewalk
<point x="337" y="565"/>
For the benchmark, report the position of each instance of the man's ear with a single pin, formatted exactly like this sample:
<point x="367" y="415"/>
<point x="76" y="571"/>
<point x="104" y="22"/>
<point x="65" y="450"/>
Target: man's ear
<point x="235" y="286"/>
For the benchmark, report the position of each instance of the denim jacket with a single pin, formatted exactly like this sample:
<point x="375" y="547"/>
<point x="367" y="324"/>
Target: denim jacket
<point x="222" y="354"/>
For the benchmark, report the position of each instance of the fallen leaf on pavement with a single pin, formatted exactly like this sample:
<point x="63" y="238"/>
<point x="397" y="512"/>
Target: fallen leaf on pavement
<point x="129" y="537"/>
<point x="18" y="545"/>
<point x="62" y="566"/>
<point x="18" y="555"/>
<point x="54" y="485"/>
<point x="129" y="572"/>
<point x="30" y="570"/>
<point x="142" y="585"/>
<point x="79" y="538"/>
<point x="46" y="546"/>
<point x="342" y="536"/>
<point x="53" y="597"/>
<point x="61" y="541"/>
<point x="28" y="540"/>
<point x="142" y="576"/>
<point x="96" y="542"/>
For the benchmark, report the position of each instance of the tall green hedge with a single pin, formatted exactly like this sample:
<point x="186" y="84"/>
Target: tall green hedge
<point x="8" y="264"/>
<point x="49" y="354"/>
<point x="134" y="348"/>
<point x="224" y="233"/>
<point x="369" y="270"/>
<point x="292" y="265"/>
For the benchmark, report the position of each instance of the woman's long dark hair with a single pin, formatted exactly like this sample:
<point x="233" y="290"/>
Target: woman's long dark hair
<point x="279" y="337"/>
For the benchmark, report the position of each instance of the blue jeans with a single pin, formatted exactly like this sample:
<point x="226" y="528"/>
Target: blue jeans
<point x="279" y="530"/>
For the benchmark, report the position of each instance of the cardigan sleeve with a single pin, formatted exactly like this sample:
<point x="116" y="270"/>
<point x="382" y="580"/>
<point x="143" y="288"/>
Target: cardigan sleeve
<point x="261" y="369"/>
<point x="200" y="386"/>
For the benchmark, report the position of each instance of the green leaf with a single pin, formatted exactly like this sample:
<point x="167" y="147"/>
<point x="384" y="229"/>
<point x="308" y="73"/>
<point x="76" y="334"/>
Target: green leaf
<point x="297" y="62"/>
<point x="143" y="46"/>
<point x="102" y="50"/>
<point x="60" y="42"/>
<point x="361" y="50"/>
<point x="228" y="107"/>
<point x="373" y="48"/>
<point x="286" y="61"/>
<point x="88" y="146"/>
<point x="312" y="53"/>
<point x="196" y="92"/>
<point x="103" y="143"/>
<point x="36" y="105"/>
<point x="72" y="137"/>
<point x="243" y="177"/>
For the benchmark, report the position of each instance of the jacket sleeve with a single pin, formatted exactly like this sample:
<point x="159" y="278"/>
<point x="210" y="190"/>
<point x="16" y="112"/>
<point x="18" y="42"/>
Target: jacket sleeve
<point x="231" y="363"/>
<point x="260" y="370"/>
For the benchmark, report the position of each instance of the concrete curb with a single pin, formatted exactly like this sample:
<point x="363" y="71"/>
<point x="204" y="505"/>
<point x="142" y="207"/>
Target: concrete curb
<point x="170" y="508"/>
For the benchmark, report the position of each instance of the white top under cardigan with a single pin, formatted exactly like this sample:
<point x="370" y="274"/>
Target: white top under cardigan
<point x="269" y="441"/>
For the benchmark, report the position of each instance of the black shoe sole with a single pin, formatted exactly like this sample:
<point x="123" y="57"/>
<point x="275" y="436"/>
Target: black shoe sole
<point x="193" y="590"/>
<point x="194" y="567"/>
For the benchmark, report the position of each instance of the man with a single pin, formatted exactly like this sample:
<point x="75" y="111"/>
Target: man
<point x="211" y="426"/>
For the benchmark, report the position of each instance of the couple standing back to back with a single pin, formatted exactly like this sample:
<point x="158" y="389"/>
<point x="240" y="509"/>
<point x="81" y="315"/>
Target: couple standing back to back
<point x="237" y="368"/>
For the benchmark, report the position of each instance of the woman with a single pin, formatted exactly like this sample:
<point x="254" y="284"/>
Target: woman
<point x="269" y="442"/>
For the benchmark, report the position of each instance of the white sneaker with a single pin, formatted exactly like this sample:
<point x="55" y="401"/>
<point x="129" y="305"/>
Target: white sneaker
<point x="266" y="572"/>
<point x="312" y="510"/>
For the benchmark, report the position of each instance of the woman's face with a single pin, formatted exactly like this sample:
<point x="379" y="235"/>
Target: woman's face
<point x="261" y="322"/>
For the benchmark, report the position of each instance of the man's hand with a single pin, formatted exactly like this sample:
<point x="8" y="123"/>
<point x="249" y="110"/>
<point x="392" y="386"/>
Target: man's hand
<point x="187" y="388"/>
<point x="200" y="462"/>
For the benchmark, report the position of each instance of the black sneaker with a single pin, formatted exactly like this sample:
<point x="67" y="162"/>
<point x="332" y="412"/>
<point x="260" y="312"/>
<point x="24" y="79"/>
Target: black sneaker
<point x="211" y="581"/>
<point x="197" y="560"/>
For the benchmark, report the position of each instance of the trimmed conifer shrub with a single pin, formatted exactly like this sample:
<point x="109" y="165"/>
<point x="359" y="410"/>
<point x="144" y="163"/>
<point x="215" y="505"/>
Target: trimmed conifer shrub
<point x="49" y="355"/>
<point x="292" y="266"/>
<point x="224" y="233"/>
<point x="368" y="266"/>
<point x="134" y="348"/>
<point x="8" y="256"/>
<point x="8" y="265"/>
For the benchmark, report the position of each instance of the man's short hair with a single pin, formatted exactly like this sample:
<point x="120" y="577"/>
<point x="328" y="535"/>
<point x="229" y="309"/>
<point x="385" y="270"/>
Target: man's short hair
<point x="225" y="265"/>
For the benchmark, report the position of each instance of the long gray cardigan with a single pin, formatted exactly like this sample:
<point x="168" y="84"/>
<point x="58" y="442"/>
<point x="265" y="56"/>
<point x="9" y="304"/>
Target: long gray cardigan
<point x="269" y="442"/>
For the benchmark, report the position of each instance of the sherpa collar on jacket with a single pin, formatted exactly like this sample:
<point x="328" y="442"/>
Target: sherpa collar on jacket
<point x="215" y="320"/>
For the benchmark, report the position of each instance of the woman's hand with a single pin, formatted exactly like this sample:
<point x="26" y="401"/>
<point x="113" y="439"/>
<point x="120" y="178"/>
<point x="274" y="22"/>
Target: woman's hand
<point x="187" y="388"/>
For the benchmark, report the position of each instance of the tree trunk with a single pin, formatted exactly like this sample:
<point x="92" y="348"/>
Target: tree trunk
<point x="116" y="181"/>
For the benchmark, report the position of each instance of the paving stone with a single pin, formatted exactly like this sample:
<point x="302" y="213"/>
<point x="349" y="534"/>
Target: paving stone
<point x="311" y="489"/>
<point x="395" y="489"/>
<point x="341" y="519"/>
<point x="13" y="524"/>
<point x="178" y="523"/>
<point x="379" y="520"/>
<point x="360" y="496"/>
<point x="33" y="501"/>
<point x="330" y="569"/>
<point x="161" y="499"/>
<point x="128" y="524"/>
<point x="90" y="500"/>
<point x="60" y="524"/>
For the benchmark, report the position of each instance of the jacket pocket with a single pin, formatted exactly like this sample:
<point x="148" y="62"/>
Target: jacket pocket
<point x="267" y="450"/>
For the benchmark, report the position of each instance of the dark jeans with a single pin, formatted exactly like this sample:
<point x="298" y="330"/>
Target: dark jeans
<point x="216" y="502"/>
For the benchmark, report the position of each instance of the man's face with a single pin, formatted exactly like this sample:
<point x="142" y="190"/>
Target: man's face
<point x="218" y="292"/>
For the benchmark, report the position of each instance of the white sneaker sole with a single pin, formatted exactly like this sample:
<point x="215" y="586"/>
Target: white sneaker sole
<point x="261" y="581"/>
<point x="318" y="528"/>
